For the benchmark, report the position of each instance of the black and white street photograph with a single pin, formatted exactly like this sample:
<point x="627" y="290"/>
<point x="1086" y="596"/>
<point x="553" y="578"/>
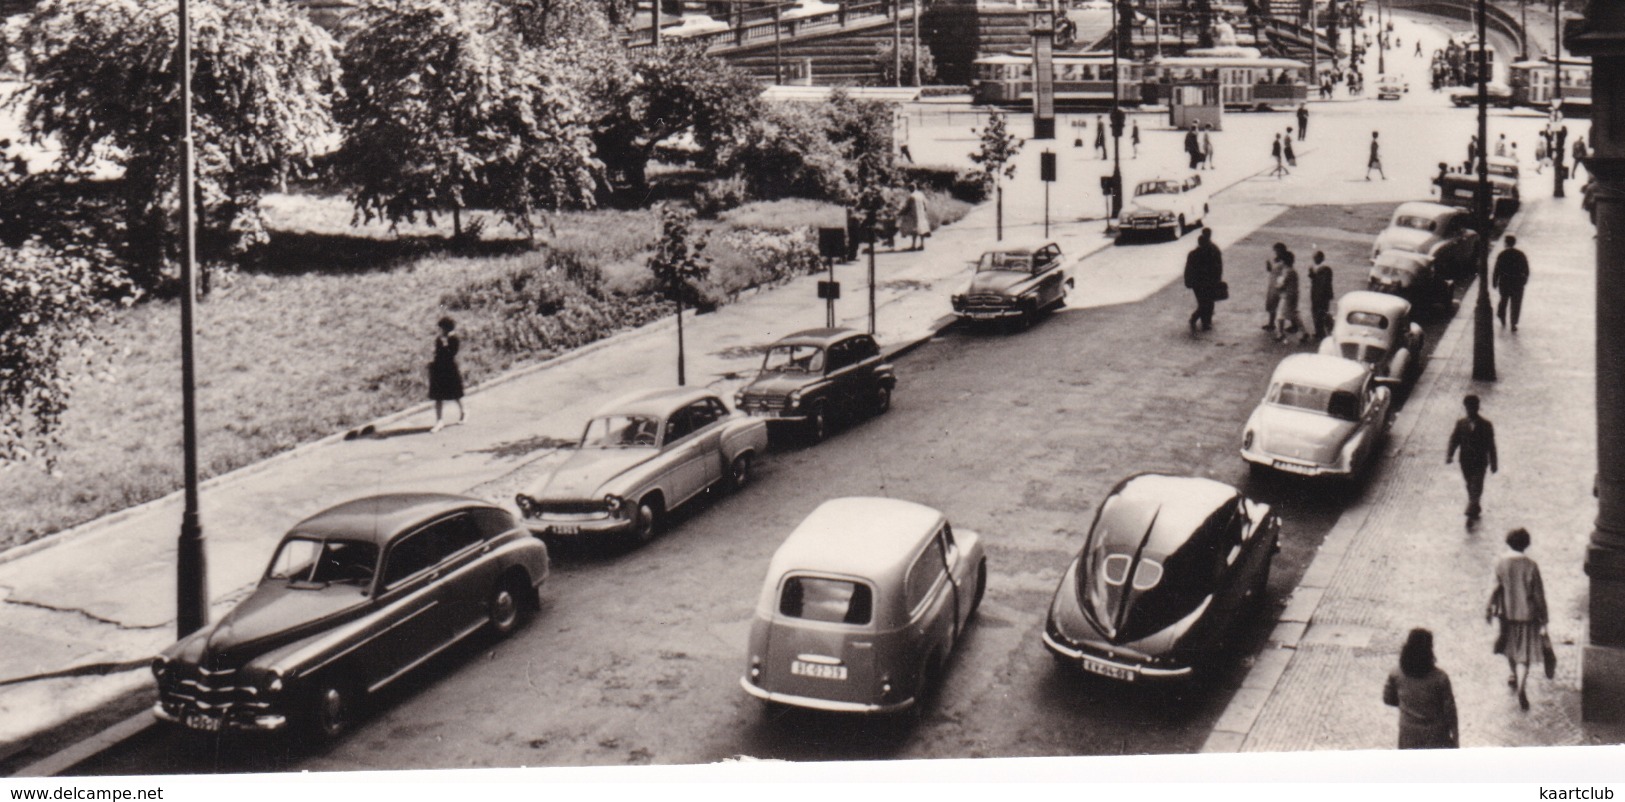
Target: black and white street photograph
<point x="391" y="385"/>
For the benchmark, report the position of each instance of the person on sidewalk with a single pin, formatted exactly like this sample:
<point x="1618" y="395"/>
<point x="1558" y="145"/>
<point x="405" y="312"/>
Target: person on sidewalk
<point x="1287" y="313"/>
<point x="1204" y="277"/>
<point x="1519" y="603"/>
<point x="1474" y="436"/>
<point x="1421" y="691"/>
<point x="1303" y="121"/>
<point x="1100" y="136"/>
<point x="915" y="221"/>
<point x="1193" y="147"/>
<point x="1286" y="149"/>
<point x="1277" y="153"/>
<point x="1472" y="153"/>
<point x="445" y="380"/>
<point x="1501" y="146"/>
<point x="1375" y="162"/>
<point x="1543" y="156"/>
<point x="1320" y="294"/>
<point x="1272" y="282"/>
<point x="1207" y="147"/>
<point x="1581" y="155"/>
<point x="1510" y="276"/>
<point x="1134" y="137"/>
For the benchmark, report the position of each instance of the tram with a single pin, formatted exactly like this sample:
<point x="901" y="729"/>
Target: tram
<point x="1246" y="79"/>
<point x="1081" y="79"/>
<point x="1531" y="83"/>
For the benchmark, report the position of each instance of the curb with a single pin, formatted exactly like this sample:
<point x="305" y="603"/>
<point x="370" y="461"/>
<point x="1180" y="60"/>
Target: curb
<point x="1234" y="726"/>
<point x="55" y="764"/>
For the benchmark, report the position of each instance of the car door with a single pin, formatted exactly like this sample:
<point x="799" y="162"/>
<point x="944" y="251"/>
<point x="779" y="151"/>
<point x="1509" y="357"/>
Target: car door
<point x="707" y="416"/>
<point x="468" y="576"/>
<point x="933" y="600"/>
<point x="960" y="572"/>
<point x="416" y="617"/>
<point x="1047" y="261"/>
<point x="681" y="456"/>
<point x="838" y="364"/>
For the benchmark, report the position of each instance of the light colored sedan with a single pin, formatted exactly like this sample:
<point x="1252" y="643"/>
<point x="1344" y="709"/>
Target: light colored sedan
<point x="640" y="458"/>
<point x="1322" y="416"/>
<point x="1174" y="205"/>
<point x="1376" y="329"/>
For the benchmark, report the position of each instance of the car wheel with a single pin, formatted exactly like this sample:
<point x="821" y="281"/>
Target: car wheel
<point x="981" y="588"/>
<point x="882" y="400"/>
<point x="332" y="711"/>
<point x="739" y="472"/>
<point x="818" y="424"/>
<point x="502" y="610"/>
<point x="646" y="524"/>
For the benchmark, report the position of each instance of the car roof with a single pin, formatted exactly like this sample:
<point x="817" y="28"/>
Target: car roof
<point x="1021" y="245"/>
<point x="378" y="519"/>
<point x="654" y="403"/>
<point x="1424" y="209"/>
<point x="1169" y="507"/>
<point x="857" y="536"/>
<point x="1321" y="370"/>
<point x="1504" y="161"/>
<point x="820" y="337"/>
<point x="1381" y="303"/>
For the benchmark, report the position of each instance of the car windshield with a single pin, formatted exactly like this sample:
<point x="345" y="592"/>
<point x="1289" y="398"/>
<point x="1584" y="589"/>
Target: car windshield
<point x="1415" y="221"/>
<point x="1339" y="404"/>
<point x="1369" y="354"/>
<point x="1156" y="188"/>
<point x="794" y="359"/>
<point x="1371" y="319"/>
<point x="836" y="601"/>
<point x="1005" y="260"/>
<point x="621" y="431"/>
<point x="1508" y="170"/>
<point x="324" y="561"/>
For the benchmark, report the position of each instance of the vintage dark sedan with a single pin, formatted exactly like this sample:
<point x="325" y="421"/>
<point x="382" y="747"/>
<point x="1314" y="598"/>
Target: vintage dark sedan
<point x="1169" y="564"/>
<point x="354" y="598"/>
<point x="641" y="457"/>
<point x="1460" y="189"/>
<point x="1014" y="282"/>
<point x="813" y="376"/>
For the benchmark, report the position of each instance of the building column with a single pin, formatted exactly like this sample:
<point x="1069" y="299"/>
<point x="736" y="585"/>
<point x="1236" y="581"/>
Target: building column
<point x="1601" y="35"/>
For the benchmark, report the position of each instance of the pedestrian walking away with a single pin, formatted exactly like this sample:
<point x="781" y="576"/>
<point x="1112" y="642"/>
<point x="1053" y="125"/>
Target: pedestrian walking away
<point x="1472" y="153"/>
<point x="1207" y="147"/>
<point x="1303" y="121"/>
<point x="1193" y="147"/>
<point x="1286" y="149"/>
<point x="1272" y="284"/>
<point x="1581" y="155"/>
<point x="1375" y="162"/>
<point x="915" y="221"/>
<point x="1278" y="154"/>
<point x="1287" y="314"/>
<point x="1510" y="276"/>
<point x="1543" y="156"/>
<point x="1418" y="52"/>
<point x="1518" y="603"/>
<point x="445" y="380"/>
<point x="1100" y="136"/>
<point x="1421" y="691"/>
<point x="1134" y="137"/>
<point x="1204" y="277"/>
<point x="1474" y="437"/>
<point x="1320" y="295"/>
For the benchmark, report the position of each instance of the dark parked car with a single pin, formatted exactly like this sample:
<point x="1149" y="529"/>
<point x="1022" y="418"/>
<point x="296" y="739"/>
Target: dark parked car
<point x="1460" y="189"/>
<point x="1425" y="249"/>
<point x="812" y="376"/>
<point x="354" y="598"/>
<point x="1014" y="281"/>
<point x="1168" y="566"/>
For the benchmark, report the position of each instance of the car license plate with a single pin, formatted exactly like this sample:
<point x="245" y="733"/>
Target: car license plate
<point x="1107" y="670"/>
<point x="563" y="530"/>
<point x="1293" y="467"/>
<point x="765" y="413"/>
<point x="1464" y="193"/>
<point x="202" y="723"/>
<point x="818" y="670"/>
<point x="982" y="314"/>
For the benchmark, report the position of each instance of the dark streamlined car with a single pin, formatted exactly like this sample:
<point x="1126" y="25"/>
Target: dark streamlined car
<point x="1169" y="564"/>
<point x="355" y="597"/>
<point x="813" y="376"/>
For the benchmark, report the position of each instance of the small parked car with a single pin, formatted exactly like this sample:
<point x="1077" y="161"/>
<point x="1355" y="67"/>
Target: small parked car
<point x="1437" y="247"/>
<point x="355" y="596"/>
<point x="862" y="605"/>
<point x="1175" y="205"/>
<point x="1498" y="94"/>
<point x="1460" y="189"/>
<point x="1170" y="564"/>
<point x="1321" y="416"/>
<point x="1014" y="281"/>
<point x="813" y="376"/>
<point x="1376" y="329"/>
<point x="639" y="459"/>
<point x="1391" y="87"/>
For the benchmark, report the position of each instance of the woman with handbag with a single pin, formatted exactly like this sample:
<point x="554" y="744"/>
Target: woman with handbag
<point x="1519" y="603"/>
<point x="1421" y="691"/>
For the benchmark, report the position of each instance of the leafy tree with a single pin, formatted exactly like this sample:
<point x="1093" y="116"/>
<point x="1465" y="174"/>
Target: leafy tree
<point x="832" y="151"/>
<point x="444" y="108"/>
<point x="102" y="84"/>
<point x="886" y="63"/>
<point x="49" y="304"/>
<point x="661" y="93"/>
<point x="995" y="154"/>
<point x="678" y="261"/>
<point x="562" y="23"/>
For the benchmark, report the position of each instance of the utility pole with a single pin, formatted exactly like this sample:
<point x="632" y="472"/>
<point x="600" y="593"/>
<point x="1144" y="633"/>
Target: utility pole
<point x="1557" y="97"/>
<point x="1117" y="114"/>
<point x="897" y="42"/>
<point x="1382" y="43"/>
<point x="1523" y="20"/>
<point x="916" y="44"/>
<point x="1483" y="326"/>
<point x="1314" y="48"/>
<point x="191" y="569"/>
<point x="654" y="28"/>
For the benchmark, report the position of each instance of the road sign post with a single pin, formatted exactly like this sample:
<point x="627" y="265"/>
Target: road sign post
<point x="1046" y="172"/>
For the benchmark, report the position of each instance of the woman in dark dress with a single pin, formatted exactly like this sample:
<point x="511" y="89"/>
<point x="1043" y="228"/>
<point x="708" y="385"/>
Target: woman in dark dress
<point x="1427" y="708"/>
<point x="445" y="381"/>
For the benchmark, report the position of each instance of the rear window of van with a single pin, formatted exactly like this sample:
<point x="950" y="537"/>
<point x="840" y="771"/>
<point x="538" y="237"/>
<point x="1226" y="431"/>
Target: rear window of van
<point x="833" y="600"/>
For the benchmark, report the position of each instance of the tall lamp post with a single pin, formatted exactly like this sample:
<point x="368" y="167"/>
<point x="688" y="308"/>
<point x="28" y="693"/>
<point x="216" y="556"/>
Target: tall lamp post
<point x="1557" y="96"/>
<point x="191" y="576"/>
<point x="1523" y="20"/>
<point x="1483" y="327"/>
<point x="1117" y="114"/>
<point x="1382" y="42"/>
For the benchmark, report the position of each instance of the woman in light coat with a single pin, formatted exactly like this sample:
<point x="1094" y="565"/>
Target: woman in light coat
<point x="915" y="220"/>
<point x="1519" y="602"/>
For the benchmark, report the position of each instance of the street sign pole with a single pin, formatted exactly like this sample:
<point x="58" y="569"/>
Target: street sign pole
<point x="1483" y="327"/>
<point x="1046" y="172"/>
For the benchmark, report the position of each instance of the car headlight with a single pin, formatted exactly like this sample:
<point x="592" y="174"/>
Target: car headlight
<point x="160" y="666"/>
<point x="526" y="505"/>
<point x="273" y="680"/>
<point x="1165" y="216"/>
<point x="1247" y="439"/>
<point x="739" y="397"/>
<point x="615" y="504"/>
<point x="957" y="300"/>
<point x="794" y="397"/>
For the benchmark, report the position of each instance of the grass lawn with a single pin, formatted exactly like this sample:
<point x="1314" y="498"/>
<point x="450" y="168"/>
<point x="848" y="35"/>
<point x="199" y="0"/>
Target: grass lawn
<point x="334" y="329"/>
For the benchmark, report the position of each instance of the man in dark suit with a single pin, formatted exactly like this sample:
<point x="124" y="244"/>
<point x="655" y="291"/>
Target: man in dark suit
<point x="1193" y="146"/>
<point x="1204" y="276"/>
<point x="1510" y="276"/>
<point x="1474" y="436"/>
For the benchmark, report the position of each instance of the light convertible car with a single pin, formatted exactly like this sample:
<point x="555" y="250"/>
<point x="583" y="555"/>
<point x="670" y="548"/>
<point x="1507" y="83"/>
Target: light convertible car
<point x="1169" y="565"/>
<point x="862" y="606"/>
<point x="1016" y="281"/>
<point x="1375" y="328"/>
<point x="1321" y="416"/>
<point x="1174" y="205"/>
<point x="640" y="458"/>
<point x="355" y="597"/>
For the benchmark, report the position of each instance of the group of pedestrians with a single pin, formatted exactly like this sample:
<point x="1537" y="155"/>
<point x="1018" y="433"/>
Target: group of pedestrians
<point x="1199" y="146"/>
<point x="1204" y="277"/>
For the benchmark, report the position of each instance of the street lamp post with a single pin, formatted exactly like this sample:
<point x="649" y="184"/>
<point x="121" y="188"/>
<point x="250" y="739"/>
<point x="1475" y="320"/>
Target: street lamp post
<point x="1483" y="327"/>
<point x="191" y="575"/>
<point x="1523" y="20"/>
<point x="1117" y="115"/>
<point x="1557" y="96"/>
<point x="1382" y="42"/>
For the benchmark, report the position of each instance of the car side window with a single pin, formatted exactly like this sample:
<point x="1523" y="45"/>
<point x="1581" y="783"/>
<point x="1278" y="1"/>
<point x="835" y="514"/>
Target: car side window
<point x="923" y="576"/>
<point x="426" y="547"/>
<point x="840" y="355"/>
<point x="491" y="523"/>
<point x="680" y="424"/>
<point x="864" y="348"/>
<point x="702" y="413"/>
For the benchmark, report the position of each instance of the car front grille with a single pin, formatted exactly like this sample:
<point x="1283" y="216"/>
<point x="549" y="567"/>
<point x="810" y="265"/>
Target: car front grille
<point x="195" y="688"/>
<point x="572" y="508"/>
<point x="763" y="401"/>
<point x="987" y="299"/>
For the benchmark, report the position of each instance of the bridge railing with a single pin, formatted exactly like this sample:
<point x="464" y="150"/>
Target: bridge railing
<point x="767" y="23"/>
